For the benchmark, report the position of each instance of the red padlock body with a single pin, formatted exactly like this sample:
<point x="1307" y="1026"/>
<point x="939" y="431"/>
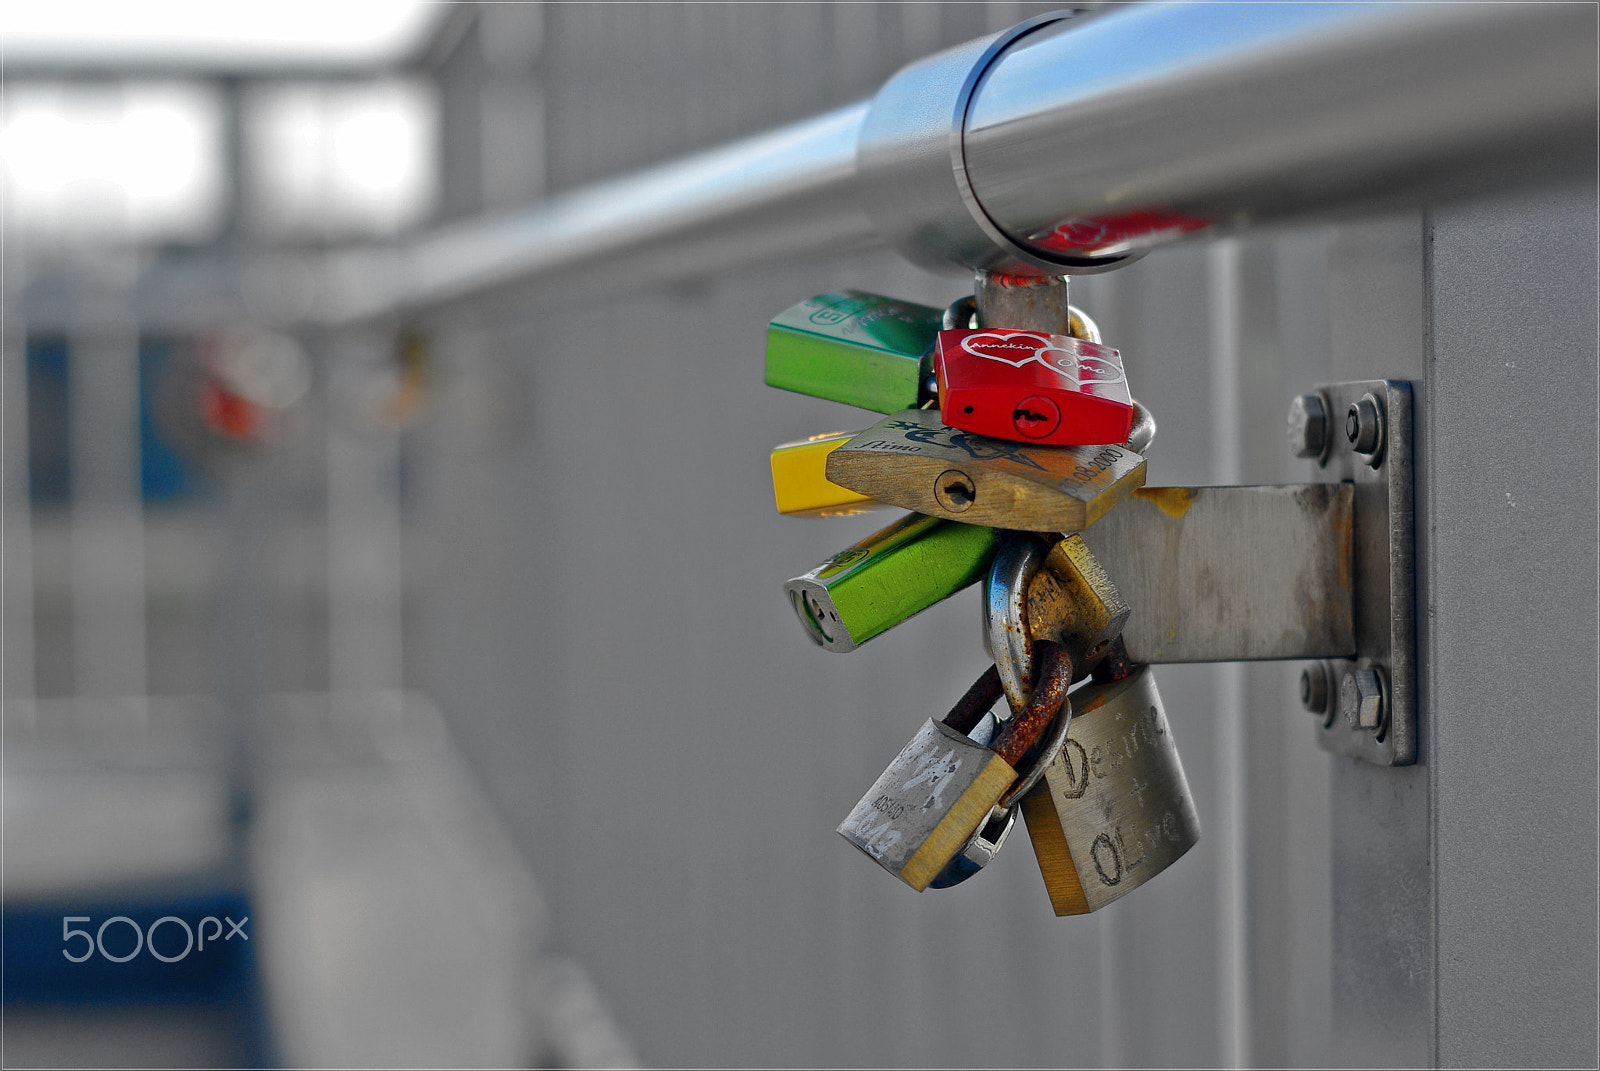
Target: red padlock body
<point x="1030" y="386"/>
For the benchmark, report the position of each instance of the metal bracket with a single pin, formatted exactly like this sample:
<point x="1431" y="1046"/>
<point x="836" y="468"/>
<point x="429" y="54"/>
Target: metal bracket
<point x="1366" y="441"/>
<point x="1323" y="570"/>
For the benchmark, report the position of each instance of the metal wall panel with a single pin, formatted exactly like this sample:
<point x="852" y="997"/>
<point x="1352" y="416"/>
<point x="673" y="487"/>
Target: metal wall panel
<point x="597" y="608"/>
<point x="1511" y="576"/>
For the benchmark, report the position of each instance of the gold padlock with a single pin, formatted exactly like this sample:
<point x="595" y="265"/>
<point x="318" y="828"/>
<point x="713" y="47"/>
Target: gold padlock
<point x="1113" y="808"/>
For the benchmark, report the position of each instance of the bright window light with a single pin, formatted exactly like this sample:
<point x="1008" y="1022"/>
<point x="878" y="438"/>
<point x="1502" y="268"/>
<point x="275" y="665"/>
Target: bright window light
<point x="215" y="32"/>
<point x="130" y="161"/>
<point x="338" y="159"/>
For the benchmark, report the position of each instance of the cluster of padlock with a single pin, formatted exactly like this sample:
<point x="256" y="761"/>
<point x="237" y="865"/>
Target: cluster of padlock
<point x="1005" y="441"/>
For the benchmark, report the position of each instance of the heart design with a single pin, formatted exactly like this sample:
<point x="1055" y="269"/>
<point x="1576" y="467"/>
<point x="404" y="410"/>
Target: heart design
<point x="1094" y="370"/>
<point x="995" y="346"/>
<point x="1017" y="348"/>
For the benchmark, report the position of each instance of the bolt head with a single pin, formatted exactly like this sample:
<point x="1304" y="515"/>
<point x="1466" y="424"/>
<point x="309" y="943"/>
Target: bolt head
<point x="1361" y="699"/>
<point x="1363" y="426"/>
<point x="1308" y="426"/>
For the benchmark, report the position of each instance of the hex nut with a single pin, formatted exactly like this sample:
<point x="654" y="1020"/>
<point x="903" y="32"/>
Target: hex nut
<point x="1308" y="426"/>
<point x="1361" y="699"/>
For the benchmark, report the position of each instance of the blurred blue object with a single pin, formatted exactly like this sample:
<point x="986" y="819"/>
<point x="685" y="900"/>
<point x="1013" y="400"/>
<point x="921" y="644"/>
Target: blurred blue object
<point x="166" y="475"/>
<point x="218" y="985"/>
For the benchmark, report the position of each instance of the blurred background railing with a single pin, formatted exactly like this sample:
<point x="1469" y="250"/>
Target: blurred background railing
<point x="448" y="646"/>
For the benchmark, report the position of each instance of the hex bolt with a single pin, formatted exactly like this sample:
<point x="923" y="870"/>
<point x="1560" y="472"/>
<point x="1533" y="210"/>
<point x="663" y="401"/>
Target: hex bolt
<point x="1361" y="699"/>
<point x="1308" y="426"/>
<point x="1363" y="426"/>
<point x="955" y="490"/>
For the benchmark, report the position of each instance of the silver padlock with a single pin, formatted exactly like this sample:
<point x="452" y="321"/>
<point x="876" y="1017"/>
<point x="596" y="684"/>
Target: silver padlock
<point x="1113" y="808"/>
<point x="944" y="786"/>
<point x="990" y="836"/>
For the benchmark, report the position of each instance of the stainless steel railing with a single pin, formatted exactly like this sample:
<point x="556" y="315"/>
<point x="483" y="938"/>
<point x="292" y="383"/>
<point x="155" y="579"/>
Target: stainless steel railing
<point x="1071" y="144"/>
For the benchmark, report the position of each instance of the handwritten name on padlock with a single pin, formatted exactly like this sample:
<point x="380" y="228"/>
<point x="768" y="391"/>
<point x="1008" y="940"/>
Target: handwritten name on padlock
<point x="1114" y="808"/>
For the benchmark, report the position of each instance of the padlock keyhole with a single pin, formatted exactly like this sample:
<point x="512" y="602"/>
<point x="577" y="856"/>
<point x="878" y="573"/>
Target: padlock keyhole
<point x="955" y="490"/>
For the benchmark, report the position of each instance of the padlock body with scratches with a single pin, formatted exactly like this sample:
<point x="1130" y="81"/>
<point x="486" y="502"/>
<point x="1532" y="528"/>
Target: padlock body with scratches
<point x="1073" y="601"/>
<point x="913" y="460"/>
<point x="1114" y="808"/>
<point x="896" y="572"/>
<point x="852" y="347"/>
<point x="925" y="807"/>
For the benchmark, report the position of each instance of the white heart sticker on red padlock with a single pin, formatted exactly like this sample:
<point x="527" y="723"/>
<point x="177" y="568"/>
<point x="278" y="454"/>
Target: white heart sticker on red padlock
<point x="1017" y="348"/>
<point x="1032" y="386"/>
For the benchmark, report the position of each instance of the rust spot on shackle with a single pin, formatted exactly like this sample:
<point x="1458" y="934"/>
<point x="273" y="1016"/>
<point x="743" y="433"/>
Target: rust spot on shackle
<point x="1026" y="729"/>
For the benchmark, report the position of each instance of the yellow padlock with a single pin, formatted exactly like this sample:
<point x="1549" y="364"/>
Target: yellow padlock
<point x="800" y="485"/>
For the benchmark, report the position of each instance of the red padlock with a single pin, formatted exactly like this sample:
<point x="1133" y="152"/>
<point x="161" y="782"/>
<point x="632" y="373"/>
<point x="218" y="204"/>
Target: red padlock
<point x="1032" y="387"/>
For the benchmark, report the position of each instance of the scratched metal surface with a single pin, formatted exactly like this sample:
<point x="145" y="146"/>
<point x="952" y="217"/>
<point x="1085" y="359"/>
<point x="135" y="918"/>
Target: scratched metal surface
<point x="600" y="611"/>
<point x="1267" y="568"/>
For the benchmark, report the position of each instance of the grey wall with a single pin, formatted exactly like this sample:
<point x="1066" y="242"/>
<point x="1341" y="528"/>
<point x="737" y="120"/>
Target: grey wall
<point x="1511" y="585"/>
<point x="596" y="606"/>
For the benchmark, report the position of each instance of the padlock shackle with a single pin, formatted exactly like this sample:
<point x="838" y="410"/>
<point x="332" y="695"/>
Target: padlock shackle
<point x="1005" y="622"/>
<point x="971" y="707"/>
<point x="1047" y="703"/>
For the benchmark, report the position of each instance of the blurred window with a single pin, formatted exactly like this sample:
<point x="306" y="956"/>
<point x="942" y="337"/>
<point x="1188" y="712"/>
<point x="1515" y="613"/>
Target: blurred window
<point x="239" y="36"/>
<point x="336" y="160"/>
<point x="119" y="161"/>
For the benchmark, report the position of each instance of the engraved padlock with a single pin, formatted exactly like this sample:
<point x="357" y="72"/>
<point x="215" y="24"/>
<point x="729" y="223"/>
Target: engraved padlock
<point x="924" y="809"/>
<point x="913" y="460"/>
<point x="1113" y="808"/>
<point x="1033" y="386"/>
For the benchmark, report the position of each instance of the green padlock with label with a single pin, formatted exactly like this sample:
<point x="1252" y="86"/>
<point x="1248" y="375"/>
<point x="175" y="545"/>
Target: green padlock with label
<point x="860" y="349"/>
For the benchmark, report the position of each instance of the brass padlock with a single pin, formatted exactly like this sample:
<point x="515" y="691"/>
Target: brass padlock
<point x="1113" y="808"/>
<point x="912" y="460"/>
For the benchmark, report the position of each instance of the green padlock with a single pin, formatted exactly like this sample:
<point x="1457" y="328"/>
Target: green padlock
<point x="856" y="348"/>
<point x="889" y="576"/>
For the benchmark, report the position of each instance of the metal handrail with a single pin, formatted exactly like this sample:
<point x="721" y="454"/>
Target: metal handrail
<point x="1071" y="144"/>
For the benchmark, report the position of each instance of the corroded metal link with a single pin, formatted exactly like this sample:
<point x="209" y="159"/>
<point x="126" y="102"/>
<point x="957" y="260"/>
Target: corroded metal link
<point x="970" y="708"/>
<point x="1047" y="701"/>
